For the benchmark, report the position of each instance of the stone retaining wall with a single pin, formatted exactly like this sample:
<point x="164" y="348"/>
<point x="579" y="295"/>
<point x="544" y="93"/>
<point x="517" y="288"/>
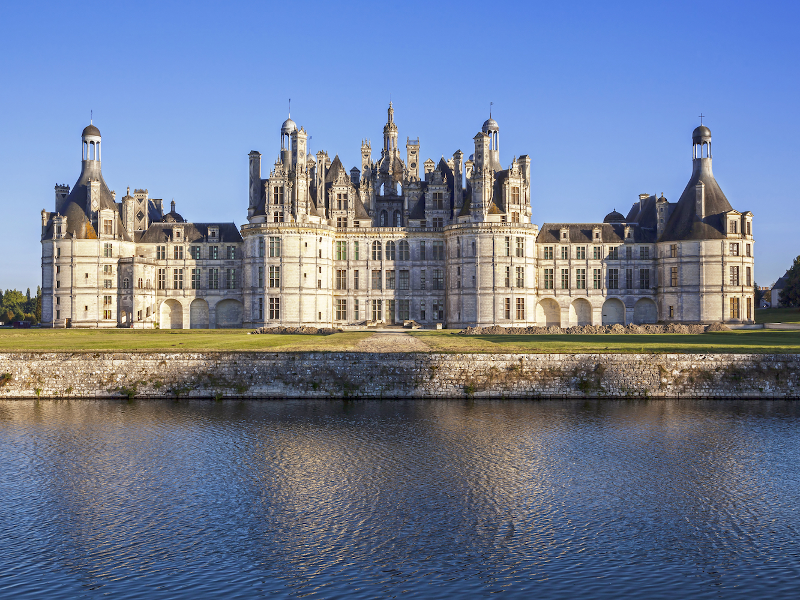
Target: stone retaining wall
<point x="402" y="375"/>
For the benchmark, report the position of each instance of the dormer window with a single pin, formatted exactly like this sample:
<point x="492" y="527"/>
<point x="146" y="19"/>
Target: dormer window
<point x="438" y="200"/>
<point x="563" y="235"/>
<point x="178" y="234"/>
<point x="213" y="233"/>
<point x="341" y="201"/>
<point x="733" y="228"/>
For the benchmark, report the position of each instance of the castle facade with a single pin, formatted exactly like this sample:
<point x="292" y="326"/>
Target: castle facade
<point x="395" y="241"/>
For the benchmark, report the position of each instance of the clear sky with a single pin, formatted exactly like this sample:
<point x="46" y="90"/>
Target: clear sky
<point x="602" y="95"/>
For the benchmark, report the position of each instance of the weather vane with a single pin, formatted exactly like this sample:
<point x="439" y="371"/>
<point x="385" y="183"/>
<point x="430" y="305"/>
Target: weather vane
<point x="701" y="118"/>
<point x="490" y="109"/>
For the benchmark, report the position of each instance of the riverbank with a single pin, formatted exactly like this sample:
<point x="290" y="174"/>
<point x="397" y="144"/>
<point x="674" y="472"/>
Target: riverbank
<point x="376" y="374"/>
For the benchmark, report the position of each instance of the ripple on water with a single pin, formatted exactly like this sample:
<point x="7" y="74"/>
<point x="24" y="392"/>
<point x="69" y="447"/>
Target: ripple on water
<point x="373" y="499"/>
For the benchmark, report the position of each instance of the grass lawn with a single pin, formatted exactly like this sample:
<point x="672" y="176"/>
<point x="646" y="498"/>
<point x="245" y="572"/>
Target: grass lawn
<point x="778" y="315"/>
<point x="744" y="341"/>
<point x="76" y="340"/>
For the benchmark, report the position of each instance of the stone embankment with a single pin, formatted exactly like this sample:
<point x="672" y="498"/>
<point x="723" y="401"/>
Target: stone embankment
<point x="596" y="329"/>
<point x="375" y="373"/>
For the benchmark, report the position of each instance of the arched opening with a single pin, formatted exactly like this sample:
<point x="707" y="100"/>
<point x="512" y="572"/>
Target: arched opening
<point x="405" y="251"/>
<point x="198" y="314"/>
<point x="229" y="314"/>
<point x="613" y="312"/>
<point x="390" y="250"/>
<point x="398" y="219"/>
<point x="171" y="315"/>
<point x="384" y="219"/>
<point x="580" y="312"/>
<point x="548" y="313"/>
<point x="645" y="311"/>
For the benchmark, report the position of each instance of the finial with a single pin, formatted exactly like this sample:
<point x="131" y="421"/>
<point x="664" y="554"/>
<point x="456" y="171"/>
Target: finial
<point x="701" y="118"/>
<point x="290" y="108"/>
<point x="91" y="116"/>
<point x="490" y="109"/>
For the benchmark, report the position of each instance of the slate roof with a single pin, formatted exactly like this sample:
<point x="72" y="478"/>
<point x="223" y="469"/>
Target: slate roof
<point x="581" y="233"/>
<point x="684" y="223"/>
<point x="192" y="232"/>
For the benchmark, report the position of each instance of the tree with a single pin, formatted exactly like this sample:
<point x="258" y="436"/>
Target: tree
<point x="28" y="294"/>
<point x="790" y="294"/>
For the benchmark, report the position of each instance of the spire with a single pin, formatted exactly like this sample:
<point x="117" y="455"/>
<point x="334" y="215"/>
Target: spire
<point x="391" y="112"/>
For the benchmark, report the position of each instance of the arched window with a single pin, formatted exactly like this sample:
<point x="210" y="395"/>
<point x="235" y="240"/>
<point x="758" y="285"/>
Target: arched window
<point x="390" y="250"/>
<point x="405" y="252"/>
<point x="376" y="250"/>
<point x="384" y="219"/>
<point x="398" y="219"/>
<point x="140" y="283"/>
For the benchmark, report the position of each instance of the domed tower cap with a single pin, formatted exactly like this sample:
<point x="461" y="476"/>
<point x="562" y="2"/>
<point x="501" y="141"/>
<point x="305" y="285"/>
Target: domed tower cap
<point x="90" y="130"/>
<point x="490" y="125"/>
<point x="614" y="217"/>
<point x="701" y="134"/>
<point x="288" y="126"/>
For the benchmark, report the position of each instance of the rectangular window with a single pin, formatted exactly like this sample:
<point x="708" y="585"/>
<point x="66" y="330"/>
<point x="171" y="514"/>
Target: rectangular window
<point x="734" y="228"/>
<point x="356" y="255"/>
<point x="274" y="247"/>
<point x="213" y="252"/>
<point x="376" y="280"/>
<point x="507" y="308"/>
<point x="438" y="279"/>
<point x="628" y="279"/>
<point x="580" y="279"/>
<point x="355" y="280"/>
<point x="162" y="279"/>
<point x="422" y="282"/>
<point x="748" y="249"/>
<point x="177" y="252"/>
<point x="596" y="252"/>
<point x="597" y="282"/>
<point x="438" y="250"/>
<point x="108" y="226"/>
<point x="390" y="311"/>
<point x="508" y="276"/>
<point x="341" y="250"/>
<point x="438" y="310"/>
<point x="341" y="309"/>
<point x="673" y="251"/>
<point x="628" y="252"/>
<point x="377" y="250"/>
<point x="613" y="279"/>
<point x="749" y="277"/>
<point x="231" y="253"/>
<point x="520" y="247"/>
<point x="520" y="309"/>
<point x="341" y="201"/>
<point x="277" y="195"/>
<point x="613" y="253"/>
<point x="564" y="252"/>
<point x="261" y="247"/>
<point x="671" y="312"/>
<point x="548" y="279"/>
<point x="422" y="311"/>
<point x="564" y="279"/>
<point x="644" y="253"/>
<point x="644" y="279"/>
<point x="161" y="252"/>
<point x="404" y="310"/>
<point x="508" y="247"/>
<point x="177" y="279"/>
<point x="734" y="249"/>
<point x="107" y="283"/>
<point x="341" y="222"/>
<point x="403" y="283"/>
<point x="274" y="277"/>
<point x="107" y="270"/>
<point x="520" y="277"/>
<point x="734" y="275"/>
<point x="213" y="279"/>
<point x="377" y="310"/>
<point x="108" y="250"/>
<point x="514" y="195"/>
<point x="341" y="279"/>
<point x="438" y="201"/>
<point x="580" y="253"/>
<point x="548" y="252"/>
<point x="356" y="310"/>
<point x="274" y="308"/>
<point x="260" y="309"/>
<point x="106" y="314"/>
<point x="231" y="279"/>
<point x="438" y="222"/>
<point x="673" y="276"/>
<point x="734" y="307"/>
<point x="260" y="276"/>
<point x="195" y="279"/>
<point x="422" y="251"/>
<point x="195" y="251"/>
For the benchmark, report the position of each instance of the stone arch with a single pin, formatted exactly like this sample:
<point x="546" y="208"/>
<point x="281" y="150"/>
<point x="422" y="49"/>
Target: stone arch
<point x="645" y="311"/>
<point x="198" y="314"/>
<point x="580" y="312"/>
<point x="548" y="313"/>
<point x="229" y="314"/>
<point x="398" y="219"/>
<point x="171" y="315"/>
<point x="613" y="312"/>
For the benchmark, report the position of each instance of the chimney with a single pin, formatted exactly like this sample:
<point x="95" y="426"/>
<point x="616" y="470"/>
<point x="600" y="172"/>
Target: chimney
<point x="700" y="200"/>
<point x="172" y="206"/>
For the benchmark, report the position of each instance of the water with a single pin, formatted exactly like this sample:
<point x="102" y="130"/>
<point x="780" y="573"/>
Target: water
<point x="368" y="499"/>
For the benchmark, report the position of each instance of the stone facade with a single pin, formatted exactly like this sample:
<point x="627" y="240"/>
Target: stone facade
<point x="396" y="375"/>
<point x="397" y="240"/>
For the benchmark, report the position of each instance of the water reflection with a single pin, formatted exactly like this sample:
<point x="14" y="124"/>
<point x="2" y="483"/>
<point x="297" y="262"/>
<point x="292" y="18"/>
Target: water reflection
<point x="366" y="499"/>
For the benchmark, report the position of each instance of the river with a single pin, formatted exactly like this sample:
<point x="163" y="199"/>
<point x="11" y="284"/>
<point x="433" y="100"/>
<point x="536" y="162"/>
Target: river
<point x="419" y="499"/>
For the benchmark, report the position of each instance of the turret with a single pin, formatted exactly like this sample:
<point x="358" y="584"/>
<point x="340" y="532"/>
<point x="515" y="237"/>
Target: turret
<point x="255" y="182"/>
<point x="287" y="129"/>
<point x="390" y="132"/>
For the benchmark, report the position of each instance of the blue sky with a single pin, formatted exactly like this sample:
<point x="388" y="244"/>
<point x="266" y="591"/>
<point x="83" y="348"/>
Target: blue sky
<point x="602" y="95"/>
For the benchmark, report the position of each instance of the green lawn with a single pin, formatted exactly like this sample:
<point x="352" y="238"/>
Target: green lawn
<point x="170" y="340"/>
<point x="744" y="341"/>
<point x="778" y="315"/>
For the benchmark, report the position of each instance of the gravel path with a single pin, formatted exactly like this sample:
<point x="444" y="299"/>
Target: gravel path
<point x="391" y="342"/>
